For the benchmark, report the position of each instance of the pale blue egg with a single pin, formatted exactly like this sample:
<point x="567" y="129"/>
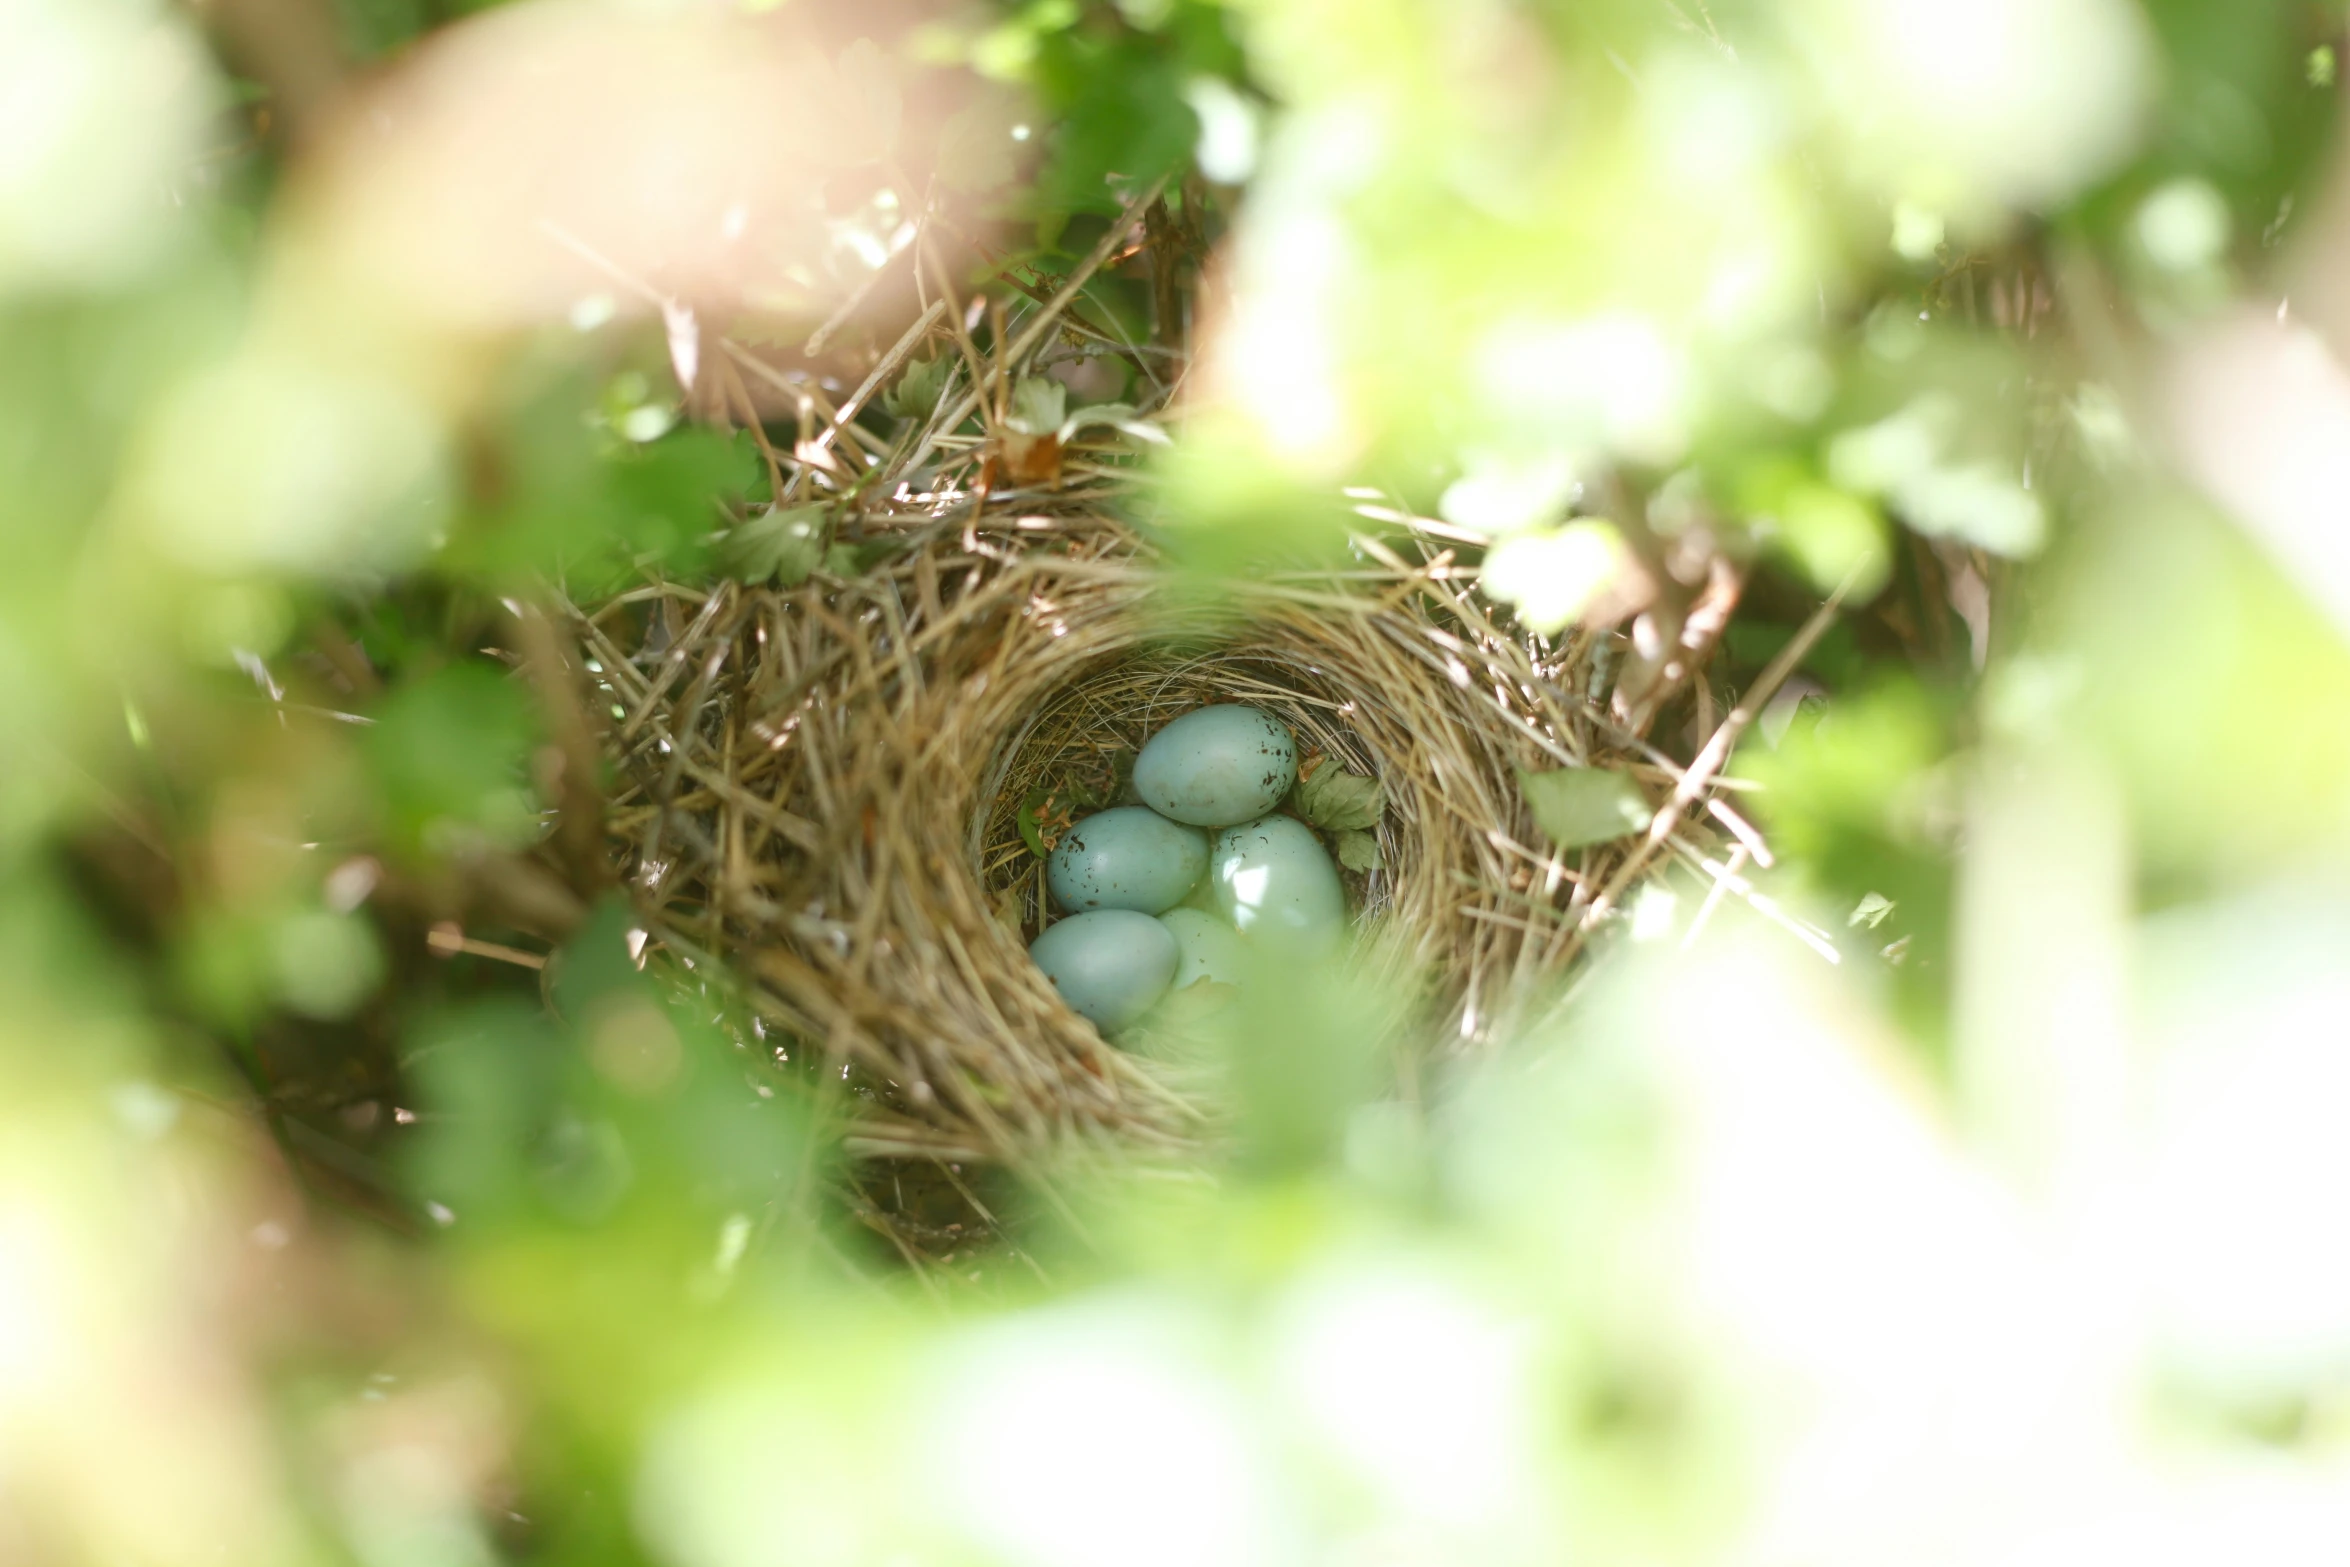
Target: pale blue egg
<point x="1275" y="882"/>
<point x="1208" y="948"/>
<point x="1217" y="766"/>
<point x="1109" y="965"/>
<point x="1127" y="858"/>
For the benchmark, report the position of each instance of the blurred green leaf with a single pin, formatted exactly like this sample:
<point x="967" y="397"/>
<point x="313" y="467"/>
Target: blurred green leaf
<point x="555" y="495"/>
<point x="1832" y="536"/>
<point x="1122" y="117"/>
<point x="1579" y="806"/>
<point x="1869" y="912"/>
<point x="325" y="963"/>
<point x="1857" y="802"/>
<point x="372" y="29"/>
<point x="596" y="963"/>
<point x="450" y="750"/>
<point x="1296" y="1102"/>
<point x="494" y="1077"/>
<point x="1553" y="575"/>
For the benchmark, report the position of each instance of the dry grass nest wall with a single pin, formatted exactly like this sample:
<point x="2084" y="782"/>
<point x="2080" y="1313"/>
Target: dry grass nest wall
<point x="819" y="786"/>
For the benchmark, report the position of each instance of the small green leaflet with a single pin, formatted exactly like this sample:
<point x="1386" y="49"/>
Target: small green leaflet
<point x="1336" y="800"/>
<point x="1044" y="815"/>
<point x="1121" y="417"/>
<point x="918" y="389"/>
<point x="1869" y="912"/>
<point x="1358" y="851"/>
<point x="780" y="544"/>
<point x="1040" y="406"/>
<point x="1577" y="806"/>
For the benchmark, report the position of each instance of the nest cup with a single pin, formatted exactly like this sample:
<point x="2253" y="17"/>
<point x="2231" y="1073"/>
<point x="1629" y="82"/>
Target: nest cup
<point x="820" y="786"/>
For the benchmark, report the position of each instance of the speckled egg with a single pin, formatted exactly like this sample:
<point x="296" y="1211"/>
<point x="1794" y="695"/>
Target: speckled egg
<point x="1217" y="766"/>
<point x="1275" y="882"/>
<point x="1109" y="965"/>
<point x="1127" y="858"/>
<point x="1207" y="949"/>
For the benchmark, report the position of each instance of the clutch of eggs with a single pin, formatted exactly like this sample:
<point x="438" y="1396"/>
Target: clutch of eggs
<point x="1153" y="902"/>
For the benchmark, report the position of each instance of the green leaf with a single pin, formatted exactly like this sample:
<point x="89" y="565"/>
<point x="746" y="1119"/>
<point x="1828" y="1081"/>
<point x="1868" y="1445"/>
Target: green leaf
<point x="1039" y="404"/>
<point x="1358" y="851"/>
<point x="1585" y="805"/>
<point x="1336" y="800"/>
<point x="1044" y="815"/>
<point x="1122" y="116"/>
<point x="781" y="545"/>
<point x="919" y="387"/>
<point x="451" y="751"/>
<point x="562" y="499"/>
<point x="1122" y="417"/>
<point x="1870" y="911"/>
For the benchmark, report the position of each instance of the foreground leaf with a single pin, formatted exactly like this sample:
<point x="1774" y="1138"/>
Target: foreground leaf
<point x="1553" y="576"/>
<point x="1358" y="851"/>
<point x="1577" y="806"/>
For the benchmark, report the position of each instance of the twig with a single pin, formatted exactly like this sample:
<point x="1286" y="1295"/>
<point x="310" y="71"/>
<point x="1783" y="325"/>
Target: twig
<point x="449" y="940"/>
<point x="1717" y="750"/>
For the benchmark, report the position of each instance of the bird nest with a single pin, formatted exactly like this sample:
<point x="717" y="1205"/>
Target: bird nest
<point x="823" y="784"/>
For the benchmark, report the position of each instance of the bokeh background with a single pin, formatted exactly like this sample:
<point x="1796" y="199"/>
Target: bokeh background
<point x="1966" y="1186"/>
